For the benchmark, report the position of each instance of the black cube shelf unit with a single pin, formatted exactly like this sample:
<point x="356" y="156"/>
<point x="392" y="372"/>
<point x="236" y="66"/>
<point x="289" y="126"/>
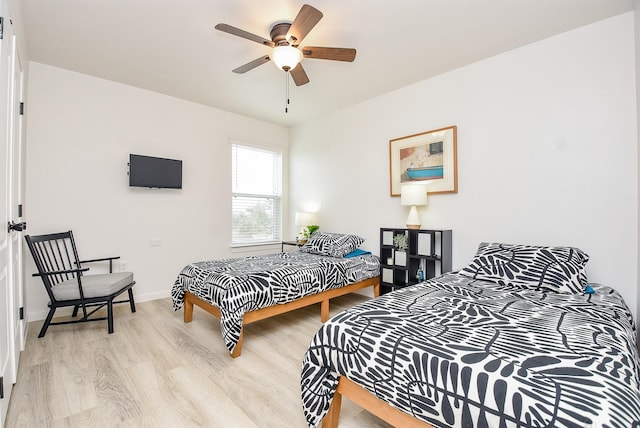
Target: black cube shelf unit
<point x="429" y="249"/>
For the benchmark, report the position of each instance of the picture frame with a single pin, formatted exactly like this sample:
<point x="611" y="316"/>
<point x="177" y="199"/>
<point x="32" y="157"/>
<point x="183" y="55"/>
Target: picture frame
<point x="428" y="157"/>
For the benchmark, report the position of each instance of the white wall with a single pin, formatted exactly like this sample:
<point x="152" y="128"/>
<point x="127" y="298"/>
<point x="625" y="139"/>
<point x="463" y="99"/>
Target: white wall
<point x="80" y="132"/>
<point x="547" y="153"/>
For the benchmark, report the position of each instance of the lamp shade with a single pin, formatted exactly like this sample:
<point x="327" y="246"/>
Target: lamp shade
<point x="306" y="219"/>
<point x="286" y="57"/>
<point x="413" y="194"/>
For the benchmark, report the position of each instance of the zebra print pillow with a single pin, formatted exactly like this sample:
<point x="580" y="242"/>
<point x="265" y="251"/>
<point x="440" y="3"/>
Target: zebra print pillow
<point x="331" y="244"/>
<point x="559" y="269"/>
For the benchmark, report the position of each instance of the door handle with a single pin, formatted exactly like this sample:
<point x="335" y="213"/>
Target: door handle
<point x="16" y="227"/>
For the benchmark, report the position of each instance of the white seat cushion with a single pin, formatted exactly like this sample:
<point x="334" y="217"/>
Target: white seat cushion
<point x="93" y="285"/>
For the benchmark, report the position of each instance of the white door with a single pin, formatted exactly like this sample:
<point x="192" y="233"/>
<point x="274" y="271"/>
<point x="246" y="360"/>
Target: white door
<point x="16" y="214"/>
<point x="8" y="277"/>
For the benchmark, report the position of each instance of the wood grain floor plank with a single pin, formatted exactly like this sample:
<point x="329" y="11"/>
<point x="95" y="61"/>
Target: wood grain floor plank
<point x="113" y="390"/>
<point x="74" y="375"/>
<point x="88" y="418"/>
<point x="31" y="397"/>
<point x="212" y="405"/>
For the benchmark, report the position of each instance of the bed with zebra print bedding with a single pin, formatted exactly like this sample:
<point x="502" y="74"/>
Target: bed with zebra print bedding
<point x="500" y="343"/>
<point x="240" y="285"/>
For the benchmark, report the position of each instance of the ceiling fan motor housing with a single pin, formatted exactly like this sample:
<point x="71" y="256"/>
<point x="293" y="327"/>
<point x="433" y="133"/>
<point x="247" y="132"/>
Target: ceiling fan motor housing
<point x="279" y="33"/>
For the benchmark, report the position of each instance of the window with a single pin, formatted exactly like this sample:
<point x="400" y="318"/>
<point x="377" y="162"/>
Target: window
<point x="256" y="196"/>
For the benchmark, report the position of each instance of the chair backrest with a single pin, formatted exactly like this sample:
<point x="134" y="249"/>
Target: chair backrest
<point x="54" y="252"/>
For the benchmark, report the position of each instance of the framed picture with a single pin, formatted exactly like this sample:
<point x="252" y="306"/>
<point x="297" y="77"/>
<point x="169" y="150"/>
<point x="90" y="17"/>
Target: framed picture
<point x="428" y="158"/>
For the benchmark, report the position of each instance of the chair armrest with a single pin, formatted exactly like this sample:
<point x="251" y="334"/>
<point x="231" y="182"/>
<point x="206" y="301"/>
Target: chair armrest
<point x="104" y="259"/>
<point x="59" y="272"/>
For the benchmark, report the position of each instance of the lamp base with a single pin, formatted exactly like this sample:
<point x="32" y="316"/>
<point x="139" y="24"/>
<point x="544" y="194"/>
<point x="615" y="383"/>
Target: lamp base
<point x="413" y="221"/>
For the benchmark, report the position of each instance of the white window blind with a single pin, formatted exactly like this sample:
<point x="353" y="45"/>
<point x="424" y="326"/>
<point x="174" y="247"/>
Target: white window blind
<point x="256" y="196"/>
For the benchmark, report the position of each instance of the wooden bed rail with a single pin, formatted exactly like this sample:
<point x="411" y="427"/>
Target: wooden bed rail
<point x="260" y="314"/>
<point x="369" y="402"/>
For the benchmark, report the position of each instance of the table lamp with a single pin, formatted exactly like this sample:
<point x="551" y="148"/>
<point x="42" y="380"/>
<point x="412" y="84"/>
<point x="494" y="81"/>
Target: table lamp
<point x="413" y="195"/>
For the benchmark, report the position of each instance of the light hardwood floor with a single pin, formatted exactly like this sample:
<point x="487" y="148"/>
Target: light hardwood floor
<point x="156" y="371"/>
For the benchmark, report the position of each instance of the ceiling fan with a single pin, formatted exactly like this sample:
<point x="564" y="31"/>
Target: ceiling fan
<point x="285" y="40"/>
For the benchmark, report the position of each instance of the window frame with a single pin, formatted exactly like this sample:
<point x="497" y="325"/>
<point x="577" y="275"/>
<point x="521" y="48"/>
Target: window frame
<point x="277" y="200"/>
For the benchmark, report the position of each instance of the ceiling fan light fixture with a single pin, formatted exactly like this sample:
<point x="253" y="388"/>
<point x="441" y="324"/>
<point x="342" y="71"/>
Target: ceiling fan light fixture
<point x="286" y="57"/>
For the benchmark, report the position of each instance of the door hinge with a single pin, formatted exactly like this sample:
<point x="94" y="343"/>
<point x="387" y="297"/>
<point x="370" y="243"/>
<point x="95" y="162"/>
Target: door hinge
<point x="21" y="108"/>
<point x="1" y="26"/>
<point x="21" y="312"/>
<point x="19" y="210"/>
<point x="1" y="387"/>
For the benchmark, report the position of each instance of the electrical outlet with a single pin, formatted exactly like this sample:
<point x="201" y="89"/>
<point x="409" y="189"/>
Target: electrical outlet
<point x="155" y="243"/>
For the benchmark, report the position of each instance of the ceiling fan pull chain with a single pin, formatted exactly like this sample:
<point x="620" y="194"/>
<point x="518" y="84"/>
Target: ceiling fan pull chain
<point x="286" y="78"/>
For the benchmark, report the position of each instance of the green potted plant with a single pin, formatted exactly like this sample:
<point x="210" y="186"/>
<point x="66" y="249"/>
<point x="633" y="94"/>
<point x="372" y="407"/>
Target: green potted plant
<point x="306" y="233"/>
<point x="400" y="243"/>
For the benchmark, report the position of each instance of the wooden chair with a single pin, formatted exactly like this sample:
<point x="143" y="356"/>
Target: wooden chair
<point x="56" y="259"/>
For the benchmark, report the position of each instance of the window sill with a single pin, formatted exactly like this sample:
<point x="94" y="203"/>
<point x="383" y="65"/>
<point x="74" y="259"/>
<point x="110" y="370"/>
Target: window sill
<point x="263" y="246"/>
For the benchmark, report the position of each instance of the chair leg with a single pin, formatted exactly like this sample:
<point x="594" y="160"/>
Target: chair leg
<point x="110" y="316"/>
<point x="84" y="310"/>
<point x="47" y="321"/>
<point x="131" y="302"/>
<point x="75" y="310"/>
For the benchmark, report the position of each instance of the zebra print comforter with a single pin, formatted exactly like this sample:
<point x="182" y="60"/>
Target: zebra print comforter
<point x="454" y="351"/>
<point x="241" y="285"/>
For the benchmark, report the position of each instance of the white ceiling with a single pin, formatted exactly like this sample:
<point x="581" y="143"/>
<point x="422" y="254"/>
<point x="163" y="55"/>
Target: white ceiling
<point x="171" y="46"/>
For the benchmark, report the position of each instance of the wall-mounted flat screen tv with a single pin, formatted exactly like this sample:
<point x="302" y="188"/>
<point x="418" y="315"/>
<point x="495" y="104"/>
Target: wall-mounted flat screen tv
<point x="148" y="171"/>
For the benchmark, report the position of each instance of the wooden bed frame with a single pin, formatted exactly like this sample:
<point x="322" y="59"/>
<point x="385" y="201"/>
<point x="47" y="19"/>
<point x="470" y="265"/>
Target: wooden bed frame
<point x="369" y="402"/>
<point x="260" y="314"/>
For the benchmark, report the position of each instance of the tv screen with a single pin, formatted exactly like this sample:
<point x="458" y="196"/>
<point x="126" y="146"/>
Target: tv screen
<point x="148" y="171"/>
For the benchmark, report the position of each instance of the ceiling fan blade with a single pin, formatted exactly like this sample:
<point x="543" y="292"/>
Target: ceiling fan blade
<point x="299" y="75"/>
<point x="244" y="34"/>
<point x="251" y="65"/>
<point x="334" y="54"/>
<point x="307" y="18"/>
